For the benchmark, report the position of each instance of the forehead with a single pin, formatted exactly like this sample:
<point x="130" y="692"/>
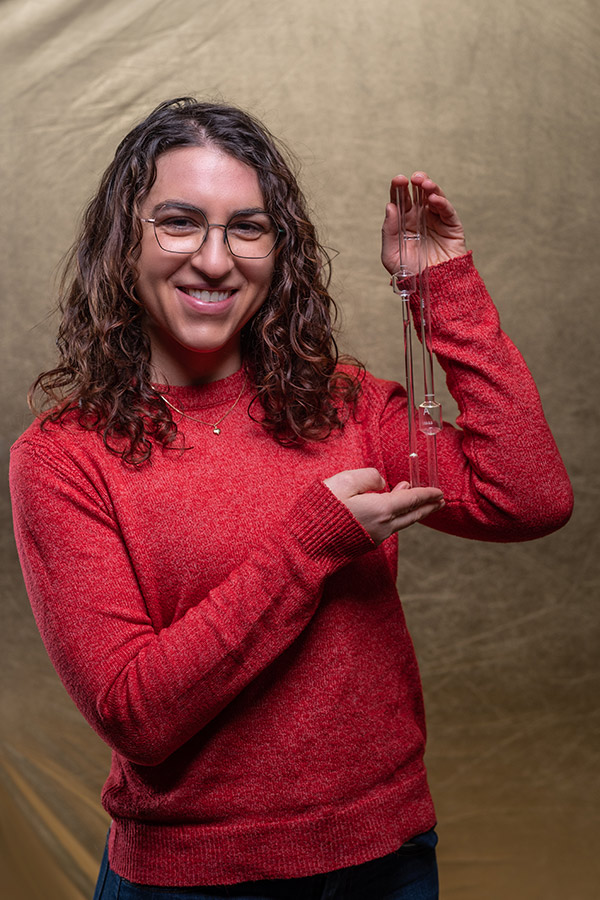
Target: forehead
<point x="205" y="176"/>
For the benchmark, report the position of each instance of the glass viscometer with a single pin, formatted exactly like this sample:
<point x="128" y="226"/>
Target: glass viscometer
<point x="411" y="280"/>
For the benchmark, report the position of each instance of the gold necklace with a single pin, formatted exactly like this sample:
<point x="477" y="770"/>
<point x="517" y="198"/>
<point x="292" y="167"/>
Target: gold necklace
<point x="213" y="425"/>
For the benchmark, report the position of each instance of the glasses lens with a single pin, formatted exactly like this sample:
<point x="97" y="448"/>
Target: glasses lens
<point x="252" y="236"/>
<point x="180" y="231"/>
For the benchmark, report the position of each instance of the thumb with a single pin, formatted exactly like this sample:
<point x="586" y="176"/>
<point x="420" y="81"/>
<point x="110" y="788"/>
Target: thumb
<point x="389" y="238"/>
<point x="389" y="229"/>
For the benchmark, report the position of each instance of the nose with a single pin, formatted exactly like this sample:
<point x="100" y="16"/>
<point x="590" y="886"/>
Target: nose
<point x="214" y="258"/>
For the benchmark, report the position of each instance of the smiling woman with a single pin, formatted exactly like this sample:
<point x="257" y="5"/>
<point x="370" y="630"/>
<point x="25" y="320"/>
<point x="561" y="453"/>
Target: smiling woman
<point x="207" y="521"/>
<point x="107" y="336"/>
<point x="198" y="301"/>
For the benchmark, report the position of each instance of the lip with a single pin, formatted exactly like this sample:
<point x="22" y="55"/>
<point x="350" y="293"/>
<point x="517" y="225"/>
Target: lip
<point x="206" y="306"/>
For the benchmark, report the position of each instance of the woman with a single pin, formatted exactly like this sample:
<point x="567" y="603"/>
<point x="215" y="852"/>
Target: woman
<point x="206" y="520"/>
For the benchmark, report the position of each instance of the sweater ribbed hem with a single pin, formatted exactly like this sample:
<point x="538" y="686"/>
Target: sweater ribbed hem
<point x="189" y="855"/>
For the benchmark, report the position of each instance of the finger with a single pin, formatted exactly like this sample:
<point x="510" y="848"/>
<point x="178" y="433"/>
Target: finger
<point x="429" y="186"/>
<point x="414" y="502"/>
<point x="355" y="481"/>
<point x="441" y="207"/>
<point x="405" y="499"/>
<point x="416" y="515"/>
<point x="435" y="198"/>
<point x="414" y="505"/>
<point x="401" y="182"/>
<point x="437" y="201"/>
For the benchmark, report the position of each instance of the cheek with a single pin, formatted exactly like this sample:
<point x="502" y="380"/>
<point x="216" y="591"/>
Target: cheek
<point x="265" y="279"/>
<point x="153" y="268"/>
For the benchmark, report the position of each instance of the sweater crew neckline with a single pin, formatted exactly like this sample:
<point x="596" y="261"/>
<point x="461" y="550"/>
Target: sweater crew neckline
<point x="201" y="396"/>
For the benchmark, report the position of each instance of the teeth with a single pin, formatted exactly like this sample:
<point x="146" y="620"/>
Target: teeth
<point x="209" y="296"/>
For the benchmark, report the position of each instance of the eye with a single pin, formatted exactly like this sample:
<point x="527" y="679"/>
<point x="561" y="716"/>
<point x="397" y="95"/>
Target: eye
<point x="250" y="229"/>
<point x="179" y="225"/>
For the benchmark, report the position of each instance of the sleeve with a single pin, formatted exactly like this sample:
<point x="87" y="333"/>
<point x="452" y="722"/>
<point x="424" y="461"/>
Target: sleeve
<point x="146" y="692"/>
<point x="500" y="470"/>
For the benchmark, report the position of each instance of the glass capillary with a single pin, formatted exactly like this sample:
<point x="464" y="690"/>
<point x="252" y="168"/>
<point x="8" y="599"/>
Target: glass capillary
<point x="412" y="279"/>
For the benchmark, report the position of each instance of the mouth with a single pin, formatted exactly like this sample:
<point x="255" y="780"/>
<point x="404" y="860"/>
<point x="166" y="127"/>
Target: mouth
<point x="207" y="296"/>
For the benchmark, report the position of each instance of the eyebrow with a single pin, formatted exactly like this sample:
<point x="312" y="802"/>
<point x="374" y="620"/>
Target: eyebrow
<point x="189" y="207"/>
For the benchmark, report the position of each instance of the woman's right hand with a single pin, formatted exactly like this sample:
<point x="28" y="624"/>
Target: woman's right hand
<point x="380" y="512"/>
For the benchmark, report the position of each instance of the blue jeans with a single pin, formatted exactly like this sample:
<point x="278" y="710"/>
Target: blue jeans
<point x="409" y="873"/>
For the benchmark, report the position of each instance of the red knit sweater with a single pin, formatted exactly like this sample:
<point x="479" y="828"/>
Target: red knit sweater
<point x="229" y="629"/>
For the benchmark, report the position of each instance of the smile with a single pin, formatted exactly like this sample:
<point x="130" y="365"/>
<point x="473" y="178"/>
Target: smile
<point x="207" y="296"/>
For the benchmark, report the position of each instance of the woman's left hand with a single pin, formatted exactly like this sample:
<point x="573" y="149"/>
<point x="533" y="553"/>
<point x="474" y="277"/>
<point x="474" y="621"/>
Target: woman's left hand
<point x="445" y="234"/>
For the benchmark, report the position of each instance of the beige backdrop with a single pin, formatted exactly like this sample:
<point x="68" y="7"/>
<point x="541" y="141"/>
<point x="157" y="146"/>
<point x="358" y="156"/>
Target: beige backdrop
<point x="499" y="101"/>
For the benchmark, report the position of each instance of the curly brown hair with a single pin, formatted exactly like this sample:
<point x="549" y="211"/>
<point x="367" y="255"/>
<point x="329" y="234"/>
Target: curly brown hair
<point x="104" y="374"/>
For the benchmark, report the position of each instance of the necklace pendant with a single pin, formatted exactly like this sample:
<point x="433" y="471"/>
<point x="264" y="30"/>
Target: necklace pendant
<point x="215" y="427"/>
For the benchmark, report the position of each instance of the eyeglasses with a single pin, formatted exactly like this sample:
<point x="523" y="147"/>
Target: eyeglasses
<point x="252" y="235"/>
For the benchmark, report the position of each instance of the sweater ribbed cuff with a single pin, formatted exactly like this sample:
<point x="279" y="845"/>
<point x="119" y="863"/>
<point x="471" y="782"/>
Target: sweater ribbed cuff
<point x="456" y="292"/>
<point x="326" y="528"/>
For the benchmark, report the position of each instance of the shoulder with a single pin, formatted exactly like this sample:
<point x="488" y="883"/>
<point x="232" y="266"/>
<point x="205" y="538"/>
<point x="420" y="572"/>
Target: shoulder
<point x="61" y="466"/>
<point x="376" y="394"/>
<point x="61" y="449"/>
<point x="46" y="436"/>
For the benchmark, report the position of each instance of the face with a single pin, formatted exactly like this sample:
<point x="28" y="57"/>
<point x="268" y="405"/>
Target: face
<point x="198" y="303"/>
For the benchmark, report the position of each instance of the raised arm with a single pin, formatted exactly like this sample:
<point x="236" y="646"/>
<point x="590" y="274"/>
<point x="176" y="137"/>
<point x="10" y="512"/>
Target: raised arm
<point x="500" y="472"/>
<point x="500" y="469"/>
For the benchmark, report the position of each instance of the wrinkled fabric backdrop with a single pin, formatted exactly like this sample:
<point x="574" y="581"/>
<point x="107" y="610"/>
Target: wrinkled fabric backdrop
<point x="499" y="102"/>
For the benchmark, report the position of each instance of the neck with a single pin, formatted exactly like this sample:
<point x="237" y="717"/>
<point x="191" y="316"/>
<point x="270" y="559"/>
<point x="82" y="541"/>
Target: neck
<point x="187" y="368"/>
